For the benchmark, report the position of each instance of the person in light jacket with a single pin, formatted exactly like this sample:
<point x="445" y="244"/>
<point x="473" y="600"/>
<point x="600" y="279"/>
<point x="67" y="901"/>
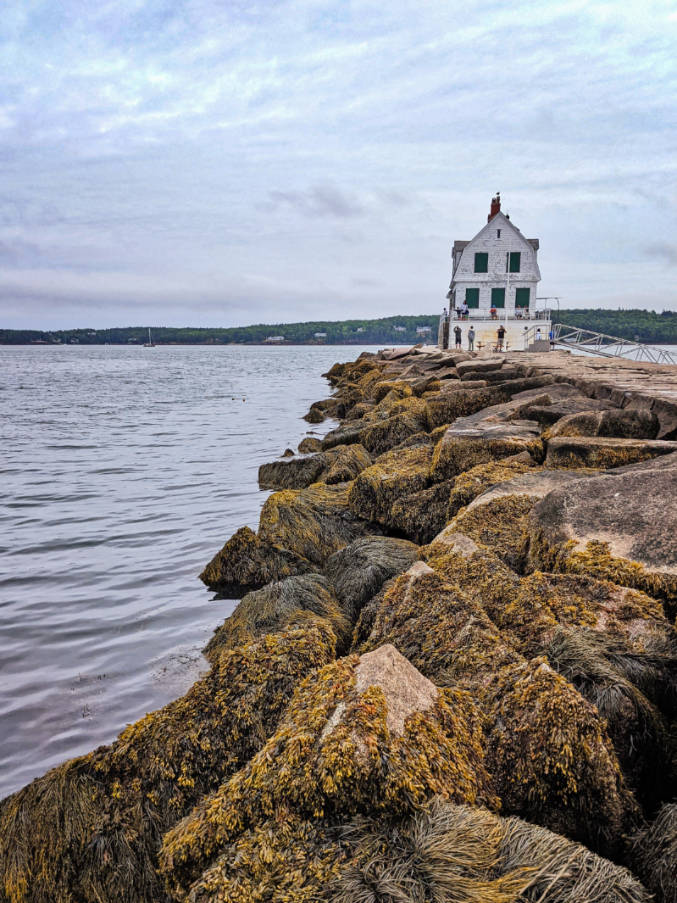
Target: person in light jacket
<point x="471" y="339"/>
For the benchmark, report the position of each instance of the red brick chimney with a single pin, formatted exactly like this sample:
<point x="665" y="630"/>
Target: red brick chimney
<point x="495" y="206"/>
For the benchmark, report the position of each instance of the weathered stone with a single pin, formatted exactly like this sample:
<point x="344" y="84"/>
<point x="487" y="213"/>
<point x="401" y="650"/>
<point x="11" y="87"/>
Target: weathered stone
<point x="479" y="365"/>
<point x="602" y="453"/>
<point x="294" y="602"/>
<point x="465" y="445"/>
<point x="547" y="414"/>
<point x="309" y="445"/>
<point x="359" y="571"/>
<point x="623" y="424"/>
<point x="314" y="522"/>
<point x="367" y="734"/>
<point x="473" y="482"/>
<point x="394" y="474"/>
<point x="421" y="515"/>
<point x="379" y="437"/>
<point x="246" y="560"/>
<point x="618" y="526"/>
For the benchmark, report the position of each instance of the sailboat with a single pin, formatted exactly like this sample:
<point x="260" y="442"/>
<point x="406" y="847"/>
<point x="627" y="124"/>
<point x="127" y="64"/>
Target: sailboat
<point x="149" y="343"/>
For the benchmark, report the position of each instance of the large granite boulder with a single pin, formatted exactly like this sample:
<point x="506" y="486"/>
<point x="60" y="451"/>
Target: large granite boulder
<point x="335" y="465"/>
<point x="469" y="442"/>
<point x="394" y="474"/>
<point x="293" y="602"/>
<point x="618" y="526"/>
<point x="367" y="734"/>
<point x="313" y="523"/>
<point x="247" y="561"/>
<point x="622" y="423"/>
<point x="601" y="453"/>
<point x="498" y="518"/>
<point x="552" y="760"/>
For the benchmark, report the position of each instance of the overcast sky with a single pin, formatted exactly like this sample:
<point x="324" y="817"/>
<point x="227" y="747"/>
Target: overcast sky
<point x="223" y="162"/>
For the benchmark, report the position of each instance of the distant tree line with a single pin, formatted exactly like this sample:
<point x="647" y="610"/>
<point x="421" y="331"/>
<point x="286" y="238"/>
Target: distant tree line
<point x="642" y="325"/>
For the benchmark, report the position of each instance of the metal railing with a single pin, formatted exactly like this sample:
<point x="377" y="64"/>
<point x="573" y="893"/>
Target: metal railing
<point x="609" y="345"/>
<point x="519" y="313"/>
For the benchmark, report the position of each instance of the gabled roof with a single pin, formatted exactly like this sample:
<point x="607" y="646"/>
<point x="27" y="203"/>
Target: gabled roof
<point x="534" y="242"/>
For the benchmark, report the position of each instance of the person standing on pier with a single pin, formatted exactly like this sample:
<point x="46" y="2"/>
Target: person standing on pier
<point x="500" y="334"/>
<point x="458" y="336"/>
<point x="471" y="339"/>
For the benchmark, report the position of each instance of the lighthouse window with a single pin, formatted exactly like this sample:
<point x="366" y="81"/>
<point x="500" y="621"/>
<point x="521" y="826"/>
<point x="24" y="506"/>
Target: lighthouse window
<point x="498" y="297"/>
<point x="498" y="233"/>
<point x="472" y="297"/>
<point x="522" y="297"/>
<point x="514" y="266"/>
<point x="481" y="262"/>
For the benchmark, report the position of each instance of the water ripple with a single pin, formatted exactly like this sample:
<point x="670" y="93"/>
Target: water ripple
<point x="124" y="470"/>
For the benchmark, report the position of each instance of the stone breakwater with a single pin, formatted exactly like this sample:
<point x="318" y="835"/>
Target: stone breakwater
<point x="453" y="675"/>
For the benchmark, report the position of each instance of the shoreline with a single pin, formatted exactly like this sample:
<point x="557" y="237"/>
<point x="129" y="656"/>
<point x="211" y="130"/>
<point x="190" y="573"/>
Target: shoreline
<point x="442" y="592"/>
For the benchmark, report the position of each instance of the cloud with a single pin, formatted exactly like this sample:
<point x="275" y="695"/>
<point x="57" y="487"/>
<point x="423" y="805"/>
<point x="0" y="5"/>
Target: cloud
<point x="320" y="201"/>
<point x="663" y="251"/>
<point x="183" y="150"/>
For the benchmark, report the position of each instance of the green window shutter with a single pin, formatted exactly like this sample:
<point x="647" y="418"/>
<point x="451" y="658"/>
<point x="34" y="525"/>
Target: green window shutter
<point x="498" y="297"/>
<point x="515" y="261"/>
<point x="472" y="297"/>
<point x="481" y="263"/>
<point x="522" y="297"/>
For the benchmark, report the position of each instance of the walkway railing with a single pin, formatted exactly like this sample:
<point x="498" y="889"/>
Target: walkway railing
<point x="609" y="345"/>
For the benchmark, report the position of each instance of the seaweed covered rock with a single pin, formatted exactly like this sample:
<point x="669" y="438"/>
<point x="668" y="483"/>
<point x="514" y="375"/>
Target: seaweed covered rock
<point x="458" y="400"/>
<point x="623" y="423"/>
<point x="618" y="526"/>
<point x="469" y="855"/>
<point x="471" y="483"/>
<point x="613" y="677"/>
<point x="296" y="601"/>
<point x="246" y="560"/>
<point x="309" y="445"/>
<point x="394" y="474"/>
<point x="91" y="829"/>
<point x="421" y="515"/>
<point x="466" y="444"/>
<point x="602" y="452"/>
<point x="498" y="518"/>
<point x="552" y="760"/>
<point x="367" y="734"/>
<point x="313" y="523"/>
<point x="359" y="571"/>
<point x="443" y="632"/>
<point x="654" y="855"/>
<point x="409" y="416"/>
<point x="336" y="465"/>
<point x="541" y="603"/>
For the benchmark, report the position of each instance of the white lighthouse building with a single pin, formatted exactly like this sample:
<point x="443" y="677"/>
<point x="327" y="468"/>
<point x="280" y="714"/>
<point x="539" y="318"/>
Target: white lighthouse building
<point x="493" y="286"/>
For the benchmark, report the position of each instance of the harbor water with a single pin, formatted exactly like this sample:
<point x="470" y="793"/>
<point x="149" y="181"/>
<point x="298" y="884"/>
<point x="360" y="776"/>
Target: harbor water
<point x="124" y="469"/>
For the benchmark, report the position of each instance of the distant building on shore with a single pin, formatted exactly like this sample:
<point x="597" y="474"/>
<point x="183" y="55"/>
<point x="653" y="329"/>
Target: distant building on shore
<point x="274" y="339"/>
<point x="494" y="281"/>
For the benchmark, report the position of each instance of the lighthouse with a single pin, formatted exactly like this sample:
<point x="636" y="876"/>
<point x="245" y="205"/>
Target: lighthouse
<point x="493" y="286"/>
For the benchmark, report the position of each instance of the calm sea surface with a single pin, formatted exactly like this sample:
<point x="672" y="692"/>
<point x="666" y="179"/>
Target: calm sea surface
<point x="123" y="471"/>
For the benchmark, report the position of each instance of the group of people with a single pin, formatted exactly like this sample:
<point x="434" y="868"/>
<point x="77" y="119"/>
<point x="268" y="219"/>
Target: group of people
<point x="458" y="338"/>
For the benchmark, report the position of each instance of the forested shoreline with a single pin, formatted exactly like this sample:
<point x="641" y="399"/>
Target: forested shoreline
<point x="639" y="325"/>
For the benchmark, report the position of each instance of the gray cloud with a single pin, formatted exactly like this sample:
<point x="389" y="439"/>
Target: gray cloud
<point x="663" y="251"/>
<point x="320" y="200"/>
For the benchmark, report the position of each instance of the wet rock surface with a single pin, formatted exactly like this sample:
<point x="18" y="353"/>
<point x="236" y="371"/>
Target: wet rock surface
<point x="451" y="674"/>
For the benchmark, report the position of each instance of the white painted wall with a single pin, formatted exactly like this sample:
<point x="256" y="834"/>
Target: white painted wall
<point x="487" y="240"/>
